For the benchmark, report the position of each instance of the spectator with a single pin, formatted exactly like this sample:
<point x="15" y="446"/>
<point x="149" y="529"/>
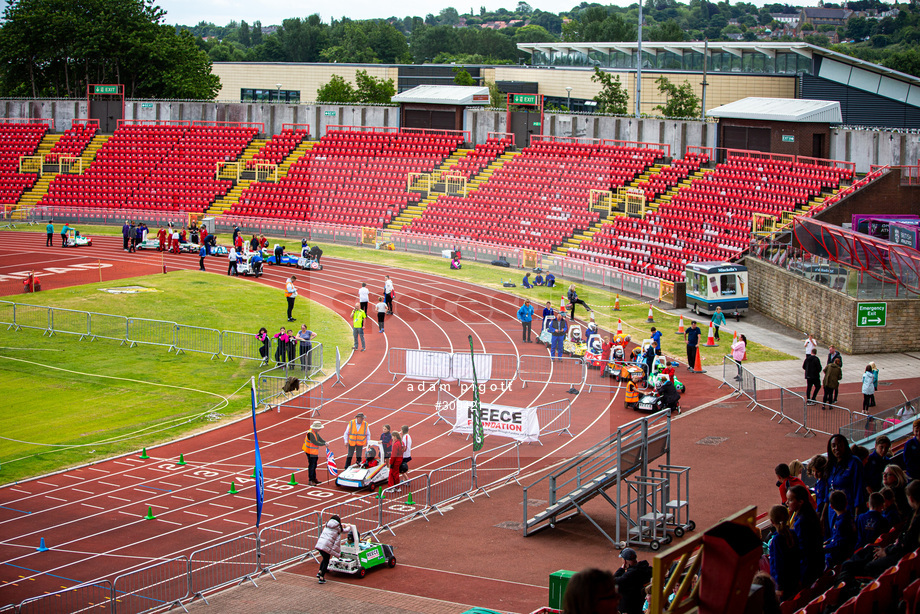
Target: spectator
<point x="265" y="345"/>
<point x="810" y="344"/>
<point x="381" y="308"/>
<point x="231" y="262"/>
<point x="357" y="326"/>
<point x="692" y="337"/>
<point x="784" y="552"/>
<point x="305" y="338"/>
<point x="572" y="295"/>
<point x="739" y="350"/>
<point x="139" y="232"/>
<point x="548" y="311"/>
<point x="202" y="252"/>
<point x="874" y="383"/>
<point x="525" y="317"/>
<point x="785" y="480"/>
<point x="890" y="511"/>
<point x="871" y="524"/>
<point x="817" y="468"/>
<point x="812" y="368"/>
<point x="203" y="232"/>
<point x="281" y="348"/>
<point x="386" y="439"/>
<point x="363" y="297"/>
<point x="388" y="294"/>
<point x="591" y="591"/>
<point x="550" y="280"/>
<point x="648" y="360"/>
<point x="771" y="603"/>
<point x="526" y="281"/>
<point x="845" y="472"/>
<point x="656" y="338"/>
<point x="311" y="445"/>
<point x="841" y="542"/>
<point x="718" y="319"/>
<point x="876" y="463"/>
<point x="329" y="544"/>
<point x="407" y="449"/>
<point x="868" y="387"/>
<point x="911" y="453"/>
<point x="893" y="477"/>
<point x="290" y="293"/>
<point x="832" y="375"/>
<point x="558" y="330"/>
<point x="397" y="450"/>
<point x="807" y="529"/>
<point x="49" y="230"/>
<point x="357" y="432"/>
<point x="538" y="280"/>
<point x="126" y="234"/>
<point x="832" y="355"/>
<point x="632" y="576"/>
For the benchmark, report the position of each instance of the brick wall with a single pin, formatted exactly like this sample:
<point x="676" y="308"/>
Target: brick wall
<point x="830" y="316"/>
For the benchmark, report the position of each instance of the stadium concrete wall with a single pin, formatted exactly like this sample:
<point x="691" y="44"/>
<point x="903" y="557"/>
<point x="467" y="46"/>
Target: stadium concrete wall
<point x="830" y="316"/>
<point x="868" y="147"/>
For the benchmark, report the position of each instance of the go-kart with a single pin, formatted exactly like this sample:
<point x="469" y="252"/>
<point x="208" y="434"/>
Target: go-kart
<point x="279" y="257"/>
<point x="652" y="402"/>
<point x="370" y="472"/>
<point x="358" y="556"/>
<point x="545" y="337"/>
<point x="309" y="264"/>
<point x="575" y="344"/>
<point x="593" y="354"/>
<point x="78" y="240"/>
<point x="251" y="266"/>
<point x="661" y="371"/>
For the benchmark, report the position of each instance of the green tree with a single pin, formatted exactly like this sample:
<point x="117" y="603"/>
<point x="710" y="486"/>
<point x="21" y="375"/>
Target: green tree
<point x="336" y="90"/>
<point x="373" y="90"/>
<point x="463" y="77"/>
<point x="256" y="35"/>
<point x="497" y="98"/>
<point x="523" y="8"/>
<point x="669" y="31"/>
<point x="907" y="61"/>
<point x="612" y="97"/>
<point x="681" y="101"/>
<point x="449" y="16"/>
<point x="244" y="36"/>
<point x="532" y="34"/>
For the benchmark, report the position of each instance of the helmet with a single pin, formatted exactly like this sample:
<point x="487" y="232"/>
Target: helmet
<point x="371" y="453"/>
<point x="618" y="340"/>
<point x="660" y="384"/>
<point x="592" y="326"/>
<point x="627" y="339"/>
<point x="303" y="242"/>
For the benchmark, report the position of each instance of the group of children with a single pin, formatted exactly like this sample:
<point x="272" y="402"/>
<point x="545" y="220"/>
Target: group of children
<point x="539" y="280"/>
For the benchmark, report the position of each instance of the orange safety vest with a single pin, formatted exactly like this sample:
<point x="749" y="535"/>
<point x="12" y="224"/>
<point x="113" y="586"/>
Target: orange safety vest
<point x="308" y="446"/>
<point x="356" y="437"/>
<point x="632" y="393"/>
<point x="289" y="290"/>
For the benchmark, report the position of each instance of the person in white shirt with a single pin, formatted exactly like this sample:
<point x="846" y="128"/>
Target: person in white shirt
<point x="407" y="445"/>
<point x="381" y="307"/>
<point x="388" y="294"/>
<point x="364" y="296"/>
<point x="290" y="292"/>
<point x="810" y="344"/>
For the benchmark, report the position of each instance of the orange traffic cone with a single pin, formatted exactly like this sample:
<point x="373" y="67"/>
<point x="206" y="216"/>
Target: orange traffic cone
<point x="619" y="327"/>
<point x="651" y="316"/>
<point x="711" y="339"/>
<point x="698" y="366"/>
<point x="616" y="304"/>
<point x="680" y="327"/>
<point x="563" y="303"/>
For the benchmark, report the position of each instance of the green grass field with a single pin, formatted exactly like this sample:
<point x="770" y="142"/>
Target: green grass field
<point x="71" y="402"/>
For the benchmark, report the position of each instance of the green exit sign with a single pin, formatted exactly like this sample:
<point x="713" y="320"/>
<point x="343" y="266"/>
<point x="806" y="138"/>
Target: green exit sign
<point x="523" y="99"/>
<point x="105" y="89"/>
<point x="329" y="113"/>
<point x="788" y="138"/>
<point x="871" y="314"/>
<point x="146" y="105"/>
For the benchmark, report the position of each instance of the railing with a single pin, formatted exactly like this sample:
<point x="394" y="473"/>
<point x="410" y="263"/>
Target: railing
<point x="880" y="421"/>
<point x="812" y="417"/>
<point x="638" y="145"/>
<point x="501" y="135"/>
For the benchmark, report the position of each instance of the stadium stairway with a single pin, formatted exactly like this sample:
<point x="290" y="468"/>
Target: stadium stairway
<point x="220" y="205"/>
<point x="31" y="197"/>
<point x="412" y="212"/>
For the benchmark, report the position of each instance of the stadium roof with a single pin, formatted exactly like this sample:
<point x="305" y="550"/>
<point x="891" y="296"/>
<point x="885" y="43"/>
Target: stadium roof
<point x="445" y="94"/>
<point x="780" y="110"/>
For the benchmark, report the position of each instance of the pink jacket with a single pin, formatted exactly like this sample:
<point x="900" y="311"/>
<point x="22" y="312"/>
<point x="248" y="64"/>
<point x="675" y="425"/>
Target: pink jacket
<point x="738" y="350"/>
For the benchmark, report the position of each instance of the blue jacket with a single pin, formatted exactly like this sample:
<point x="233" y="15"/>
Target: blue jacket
<point x="656" y="338"/>
<point x="786" y="564"/>
<point x="912" y="458"/>
<point x="550" y="280"/>
<point x="526" y="282"/>
<point x="810" y="544"/>
<point x="558" y="328"/>
<point x="869" y="525"/>
<point x="842" y="541"/>
<point x="848" y="477"/>
<point x="525" y="313"/>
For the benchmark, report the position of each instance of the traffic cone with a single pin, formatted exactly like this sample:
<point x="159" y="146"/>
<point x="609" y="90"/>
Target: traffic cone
<point x="711" y="339"/>
<point x="42" y="547"/>
<point x="698" y="365"/>
<point x="380" y="494"/>
<point x="616" y="304"/>
<point x="233" y="489"/>
<point x="181" y="460"/>
<point x="680" y="327"/>
<point x="563" y="303"/>
<point x="144" y="453"/>
<point x="253" y="472"/>
<point x="619" y="327"/>
<point x="293" y="482"/>
<point x="150" y="515"/>
<point x="409" y="501"/>
<point x="651" y="316"/>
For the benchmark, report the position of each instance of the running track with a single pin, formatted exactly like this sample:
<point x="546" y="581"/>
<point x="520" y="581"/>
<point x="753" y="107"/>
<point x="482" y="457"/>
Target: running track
<point x="92" y="517"/>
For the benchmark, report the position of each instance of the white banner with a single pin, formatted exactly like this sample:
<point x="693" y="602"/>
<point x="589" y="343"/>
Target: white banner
<point x="505" y="421"/>
<point x="463" y="367"/>
<point x="421" y="364"/>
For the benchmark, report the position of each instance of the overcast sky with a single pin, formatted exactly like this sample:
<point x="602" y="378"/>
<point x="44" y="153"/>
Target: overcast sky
<point x="221" y="12"/>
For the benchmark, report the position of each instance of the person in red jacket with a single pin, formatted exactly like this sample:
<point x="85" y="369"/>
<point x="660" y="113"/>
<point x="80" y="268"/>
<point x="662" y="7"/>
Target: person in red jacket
<point x="161" y="235"/>
<point x="396" y="458"/>
<point x="785" y="480"/>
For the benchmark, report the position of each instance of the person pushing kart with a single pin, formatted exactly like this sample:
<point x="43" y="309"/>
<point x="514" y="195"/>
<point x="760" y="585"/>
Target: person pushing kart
<point x="669" y="397"/>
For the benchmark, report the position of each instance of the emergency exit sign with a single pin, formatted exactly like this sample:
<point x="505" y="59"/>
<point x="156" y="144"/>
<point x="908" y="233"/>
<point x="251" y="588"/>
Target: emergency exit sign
<point x="105" y="89"/>
<point x="871" y="314"/>
<point x="788" y="138"/>
<point x="523" y="99"/>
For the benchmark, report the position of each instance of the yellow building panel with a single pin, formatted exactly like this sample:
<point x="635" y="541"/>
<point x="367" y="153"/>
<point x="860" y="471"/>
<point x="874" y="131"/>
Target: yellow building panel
<point x="305" y="78"/>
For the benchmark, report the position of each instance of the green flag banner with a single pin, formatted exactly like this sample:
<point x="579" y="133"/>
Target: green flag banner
<point x="478" y="435"/>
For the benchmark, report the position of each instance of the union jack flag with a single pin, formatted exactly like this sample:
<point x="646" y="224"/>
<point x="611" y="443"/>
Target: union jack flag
<point x="330" y="463"/>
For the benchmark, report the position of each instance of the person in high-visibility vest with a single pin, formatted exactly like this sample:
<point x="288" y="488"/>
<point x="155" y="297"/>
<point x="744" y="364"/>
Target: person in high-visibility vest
<point x="632" y="395"/>
<point x="311" y="445"/>
<point x="356" y="435"/>
<point x="357" y="322"/>
<point x="291" y="293"/>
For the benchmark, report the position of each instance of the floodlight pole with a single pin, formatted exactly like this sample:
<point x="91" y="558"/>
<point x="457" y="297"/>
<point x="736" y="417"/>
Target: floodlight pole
<point x="639" y="65"/>
<point x="704" y="83"/>
<point x="568" y="104"/>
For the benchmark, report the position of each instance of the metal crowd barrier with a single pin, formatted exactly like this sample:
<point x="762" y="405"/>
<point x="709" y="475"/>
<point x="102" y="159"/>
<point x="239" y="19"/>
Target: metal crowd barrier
<point x="404" y="501"/>
<point x="163" y="584"/>
<point x="151" y="332"/>
<point x="288" y="541"/>
<point x="555" y="417"/>
<point x="69" y="322"/>
<point x="8" y="314"/>
<point x="231" y="562"/>
<point x="419" y="364"/>
<point x="86" y="597"/>
<point x="243" y="346"/>
<point x="543" y="370"/>
<point x="502" y="367"/>
<point x="105" y="326"/>
<point x="363" y="512"/>
<point x="497" y="466"/>
<point x="197" y="339"/>
<point x="32" y="316"/>
<point x="451" y="482"/>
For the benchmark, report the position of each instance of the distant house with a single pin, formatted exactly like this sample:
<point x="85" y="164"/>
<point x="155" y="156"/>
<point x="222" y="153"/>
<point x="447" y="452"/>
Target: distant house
<point x="786" y="18"/>
<point x="821" y="17"/>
